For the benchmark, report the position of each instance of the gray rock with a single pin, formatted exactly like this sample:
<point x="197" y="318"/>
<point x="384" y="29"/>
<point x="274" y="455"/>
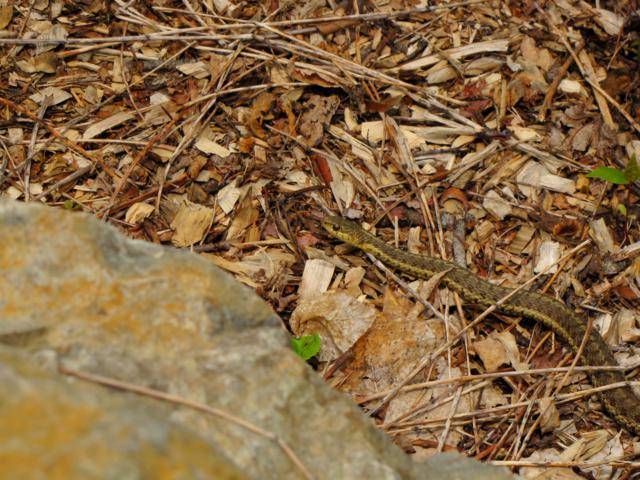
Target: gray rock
<point x="51" y="427"/>
<point x="76" y="291"/>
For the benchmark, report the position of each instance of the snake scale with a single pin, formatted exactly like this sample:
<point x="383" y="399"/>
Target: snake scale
<point x="621" y="402"/>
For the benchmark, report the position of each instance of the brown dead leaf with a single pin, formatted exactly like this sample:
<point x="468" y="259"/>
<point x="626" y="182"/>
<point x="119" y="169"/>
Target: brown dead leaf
<point x="590" y="444"/>
<point x="6" y="14"/>
<point x="331" y="27"/>
<point x="246" y="215"/>
<point x="56" y="165"/>
<point x="545" y="473"/>
<point x="453" y="193"/>
<point x="539" y="56"/>
<point x="384" y="105"/>
<point x="611" y="450"/>
<point x="397" y="340"/>
<point x="316" y="277"/>
<point x="338" y="317"/>
<point x="109" y="122"/>
<point x="627" y="325"/>
<point x="496" y="206"/>
<point x="322" y="167"/>
<point x="138" y="212"/>
<point x="550" y="417"/>
<point x="258" y="112"/>
<point x="260" y="266"/>
<point x="491" y="352"/>
<point x="499" y="348"/>
<point x="582" y="137"/>
<point x="567" y="228"/>
<point x="319" y="112"/>
<point x="46" y="62"/>
<point x="314" y="78"/>
<point x="190" y="224"/>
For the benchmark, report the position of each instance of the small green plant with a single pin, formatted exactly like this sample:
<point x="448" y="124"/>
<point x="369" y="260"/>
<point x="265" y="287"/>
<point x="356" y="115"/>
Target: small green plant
<point x="306" y="346"/>
<point x="70" y="205"/>
<point x="620" y="177"/>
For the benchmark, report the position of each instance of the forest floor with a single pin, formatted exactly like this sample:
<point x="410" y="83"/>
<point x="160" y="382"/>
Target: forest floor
<point x="501" y="135"/>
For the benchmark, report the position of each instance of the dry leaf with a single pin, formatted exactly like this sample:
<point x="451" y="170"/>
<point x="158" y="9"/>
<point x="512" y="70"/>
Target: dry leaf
<point x="499" y="349"/>
<point x="190" y="224"/>
<point x="600" y="233"/>
<point x="258" y="112"/>
<point x="548" y="255"/>
<point x="207" y="145"/>
<point x="316" y="277"/>
<point x="319" y="112"/>
<point x="586" y="447"/>
<point x="397" y="340"/>
<point x="549" y="415"/>
<point x="609" y="21"/>
<point x="534" y="175"/>
<point x="6" y="14"/>
<point x="245" y="216"/>
<point x="104" y="125"/>
<point x="627" y="321"/>
<point x="610" y="451"/>
<point x="56" y="32"/>
<point x="196" y="69"/>
<point x="495" y="205"/>
<point x="572" y="86"/>
<point x="57" y="95"/>
<point x="138" y="212"/>
<point x="337" y="317"/>
<point x="229" y="195"/>
<point x="45" y="63"/>
<point x="525" y="134"/>
<point x="262" y="265"/>
<point x="491" y="352"/>
<point x="545" y="473"/>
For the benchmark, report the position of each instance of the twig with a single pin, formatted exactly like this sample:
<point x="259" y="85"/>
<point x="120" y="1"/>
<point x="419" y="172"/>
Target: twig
<point x="141" y="154"/>
<point x="68" y="179"/>
<point x="176" y="400"/>
<point x="551" y="91"/>
<point x="46" y="101"/>
<point x="58" y="136"/>
<point x="476" y="321"/>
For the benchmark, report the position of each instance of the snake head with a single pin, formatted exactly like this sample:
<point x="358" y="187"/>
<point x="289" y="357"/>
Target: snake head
<point x="344" y="230"/>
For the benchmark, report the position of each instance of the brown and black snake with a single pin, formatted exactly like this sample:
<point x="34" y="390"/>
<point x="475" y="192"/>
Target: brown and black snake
<point x="621" y="402"/>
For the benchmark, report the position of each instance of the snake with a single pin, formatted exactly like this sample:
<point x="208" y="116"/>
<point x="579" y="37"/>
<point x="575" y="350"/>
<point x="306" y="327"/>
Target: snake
<point x="621" y="403"/>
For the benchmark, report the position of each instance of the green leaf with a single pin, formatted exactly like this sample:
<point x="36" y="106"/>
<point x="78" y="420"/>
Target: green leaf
<point x="632" y="172"/>
<point x="306" y="346"/>
<point x="69" y="204"/>
<point x="622" y="209"/>
<point x="609" y="174"/>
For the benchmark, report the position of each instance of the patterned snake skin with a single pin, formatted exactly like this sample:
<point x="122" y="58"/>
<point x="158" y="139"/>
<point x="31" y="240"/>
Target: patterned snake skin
<point x="621" y="402"/>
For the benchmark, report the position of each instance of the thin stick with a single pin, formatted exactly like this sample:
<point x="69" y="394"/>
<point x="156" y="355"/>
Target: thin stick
<point x="594" y="84"/>
<point x="617" y="462"/>
<point x="46" y="101"/>
<point x="174" y="399"/>
<point x="141" y="154"/>
<point x="476" y="321"/>
<point x="551" y="91"/>
<point x="62" y="139"/>
<point x="68" y="179"/>
<point x="561" y="384"/>
<point x="564" y="398"/>
<point x="365" y="17"/>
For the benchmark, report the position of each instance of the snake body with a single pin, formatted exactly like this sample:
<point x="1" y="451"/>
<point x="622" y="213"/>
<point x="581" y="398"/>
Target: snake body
<point x="621" y="402"/>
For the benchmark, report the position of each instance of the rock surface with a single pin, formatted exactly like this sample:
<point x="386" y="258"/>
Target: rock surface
<point x="75" y="293"/>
